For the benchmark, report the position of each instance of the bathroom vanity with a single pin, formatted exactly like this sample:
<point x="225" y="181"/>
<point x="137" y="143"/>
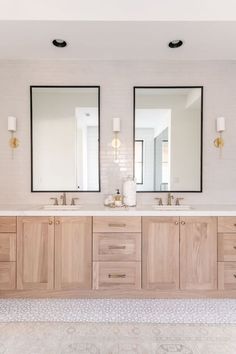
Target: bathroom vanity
<point x="97" y="252"/>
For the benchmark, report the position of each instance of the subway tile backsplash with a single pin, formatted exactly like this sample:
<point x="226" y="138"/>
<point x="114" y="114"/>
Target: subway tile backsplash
<point x="117" y="79"/>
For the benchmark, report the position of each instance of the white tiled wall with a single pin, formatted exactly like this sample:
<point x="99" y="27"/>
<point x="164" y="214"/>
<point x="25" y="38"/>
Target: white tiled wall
<point x="117" y="79"/>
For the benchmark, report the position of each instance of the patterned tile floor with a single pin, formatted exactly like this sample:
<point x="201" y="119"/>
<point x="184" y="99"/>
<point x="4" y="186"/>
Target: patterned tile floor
<point x="210" y="311"/>
<point x="118" y="338"/>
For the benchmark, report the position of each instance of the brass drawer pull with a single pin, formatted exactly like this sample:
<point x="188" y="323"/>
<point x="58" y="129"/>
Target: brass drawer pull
<point x="234" y="224"/>
<point x="117" y="225"/>
<point x="235" y="247"/>
<point x="117" y="247"/>
<point x="116" y="275"/>
<point x="235" y="275"/>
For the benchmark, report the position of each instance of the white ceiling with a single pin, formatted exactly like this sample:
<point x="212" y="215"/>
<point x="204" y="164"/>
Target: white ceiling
<point x="116" y="40"/>
<point x="112" y="10"/>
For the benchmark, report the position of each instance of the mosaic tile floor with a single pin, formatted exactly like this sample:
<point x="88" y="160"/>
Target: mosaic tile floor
<point x="126" y="338"/>
<point x="208" y="311"/>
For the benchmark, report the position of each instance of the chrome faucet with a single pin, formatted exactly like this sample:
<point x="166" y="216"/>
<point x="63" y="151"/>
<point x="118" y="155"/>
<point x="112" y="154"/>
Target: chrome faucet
<point x="63" y="197"/>
<point x="169" y="198"/>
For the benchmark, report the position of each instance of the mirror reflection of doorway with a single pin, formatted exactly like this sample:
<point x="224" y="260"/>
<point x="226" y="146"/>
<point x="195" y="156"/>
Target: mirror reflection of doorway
<point x="161" y="161"/>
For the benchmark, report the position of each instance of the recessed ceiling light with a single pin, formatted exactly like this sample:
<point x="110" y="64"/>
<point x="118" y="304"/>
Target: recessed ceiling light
<point x="176" y="43"/>
<point x="60" y="43"/>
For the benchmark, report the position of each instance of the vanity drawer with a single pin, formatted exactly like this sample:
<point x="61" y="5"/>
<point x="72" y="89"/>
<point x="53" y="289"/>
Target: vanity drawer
<point x="117" y="247"/>
<point x="7" y="247"/>
<point x="227" y="224"/>
<point x="116" y="275"/>
<point x="227" y="275"/>
<point x="117" y="224"/>
<point x="7" y="275"/>
<point x="227" y="247"/>
<point x="7" y="224"/>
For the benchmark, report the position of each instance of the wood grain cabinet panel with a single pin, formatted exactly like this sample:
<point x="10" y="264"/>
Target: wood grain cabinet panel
<point x="198" y="253"/>
<point x="227" y="224"/>
<point x="35" y="253"/>
<point x="116" y="275"/>
<point x="73" y="253"/>
<point x="117" y="247"/>
<point x="7" y="275"/>
<point x="117" y="224"/>
<point x="160" y="253"/>
<point x="227" y="275"/>
<point x="8" y="224"/>
<point x="7" y="247"/>
<point x="227" y="247"/>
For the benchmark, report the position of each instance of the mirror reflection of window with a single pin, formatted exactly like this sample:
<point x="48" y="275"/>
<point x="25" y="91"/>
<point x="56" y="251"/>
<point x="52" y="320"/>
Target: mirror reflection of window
<point x="169" y="121"/>
<point x="139" y="161"/>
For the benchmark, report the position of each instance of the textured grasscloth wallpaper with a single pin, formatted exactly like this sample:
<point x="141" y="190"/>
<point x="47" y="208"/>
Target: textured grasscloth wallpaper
<point x="117" y="79"/>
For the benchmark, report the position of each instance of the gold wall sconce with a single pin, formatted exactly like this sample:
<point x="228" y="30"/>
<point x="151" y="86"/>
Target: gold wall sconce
<point x="116" y="141"/>
<point x="13" y="142"/>
<point x="220" y="128"/>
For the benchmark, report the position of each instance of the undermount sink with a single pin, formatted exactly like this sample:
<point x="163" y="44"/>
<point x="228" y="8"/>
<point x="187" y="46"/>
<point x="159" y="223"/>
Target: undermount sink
<point x="172" y="207"/>
<point x="61" y="207"/>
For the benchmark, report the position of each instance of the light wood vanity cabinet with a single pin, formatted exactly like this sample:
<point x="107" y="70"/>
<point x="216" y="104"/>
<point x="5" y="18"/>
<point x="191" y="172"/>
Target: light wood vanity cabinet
<point x="160" y="253"/>
<point x="179" y="253"/>
<point x="198" y="253"/>
<point x="227" y="253"/>
<point x="35" y="253"/>
<point x="73" y="252"/>
<point x="54" y="253"/>
<point x="7" y="253"/>
<point x="116" y="253"/>
<point x="121" y="256"/>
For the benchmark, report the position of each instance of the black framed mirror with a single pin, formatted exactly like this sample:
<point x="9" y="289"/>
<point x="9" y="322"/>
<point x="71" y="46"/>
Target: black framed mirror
<point x="168" y="136"/>
<point x="65" y="138"/>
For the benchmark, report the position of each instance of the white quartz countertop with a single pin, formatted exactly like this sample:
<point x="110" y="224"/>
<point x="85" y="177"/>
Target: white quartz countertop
<point x="99" y="210"/>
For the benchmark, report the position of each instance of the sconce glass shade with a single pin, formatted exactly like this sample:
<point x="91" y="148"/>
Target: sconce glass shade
<point x="11" y="124"/>
<point x="220" y="124"/>
<point x="116" y="124"/>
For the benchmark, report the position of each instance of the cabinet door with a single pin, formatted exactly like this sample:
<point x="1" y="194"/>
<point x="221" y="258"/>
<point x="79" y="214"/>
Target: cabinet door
<point x="35" y="253"/>
<point x="73" y="248"/>
<point x="160" y="247"/>
<point x="198" y="253"/>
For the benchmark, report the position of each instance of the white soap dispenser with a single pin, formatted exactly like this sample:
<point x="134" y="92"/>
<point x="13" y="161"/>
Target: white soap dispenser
<point x="129" y="191"/>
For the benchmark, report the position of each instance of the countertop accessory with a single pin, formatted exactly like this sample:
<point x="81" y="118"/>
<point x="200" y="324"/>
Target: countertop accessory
<point x="129" y="191"/>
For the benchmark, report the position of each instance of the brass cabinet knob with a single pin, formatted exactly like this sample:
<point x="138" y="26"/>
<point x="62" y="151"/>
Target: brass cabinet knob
<point x="176" y="223"/>
<point x="182" y="222"/>
<point x="57" y="222"/>
<point x="50" y="222"/>
<point x="235" y="275"/>
<point x="235" y="247"/>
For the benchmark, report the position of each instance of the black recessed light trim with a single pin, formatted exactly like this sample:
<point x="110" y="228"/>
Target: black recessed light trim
<point x="60" y="43"/>
<point x="175" y="43"/>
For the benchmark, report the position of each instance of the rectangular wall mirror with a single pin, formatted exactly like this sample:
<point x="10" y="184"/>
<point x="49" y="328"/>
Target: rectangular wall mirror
<point x="168" y="139"/>
<point x="65" y="135"/>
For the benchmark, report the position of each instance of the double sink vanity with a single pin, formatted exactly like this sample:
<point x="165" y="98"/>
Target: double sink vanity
<point x="96" y="251"/>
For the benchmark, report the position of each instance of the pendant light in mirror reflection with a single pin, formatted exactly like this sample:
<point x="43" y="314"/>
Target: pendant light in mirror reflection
<point x="13" y="142"/>
<point x="116" y="141"/>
